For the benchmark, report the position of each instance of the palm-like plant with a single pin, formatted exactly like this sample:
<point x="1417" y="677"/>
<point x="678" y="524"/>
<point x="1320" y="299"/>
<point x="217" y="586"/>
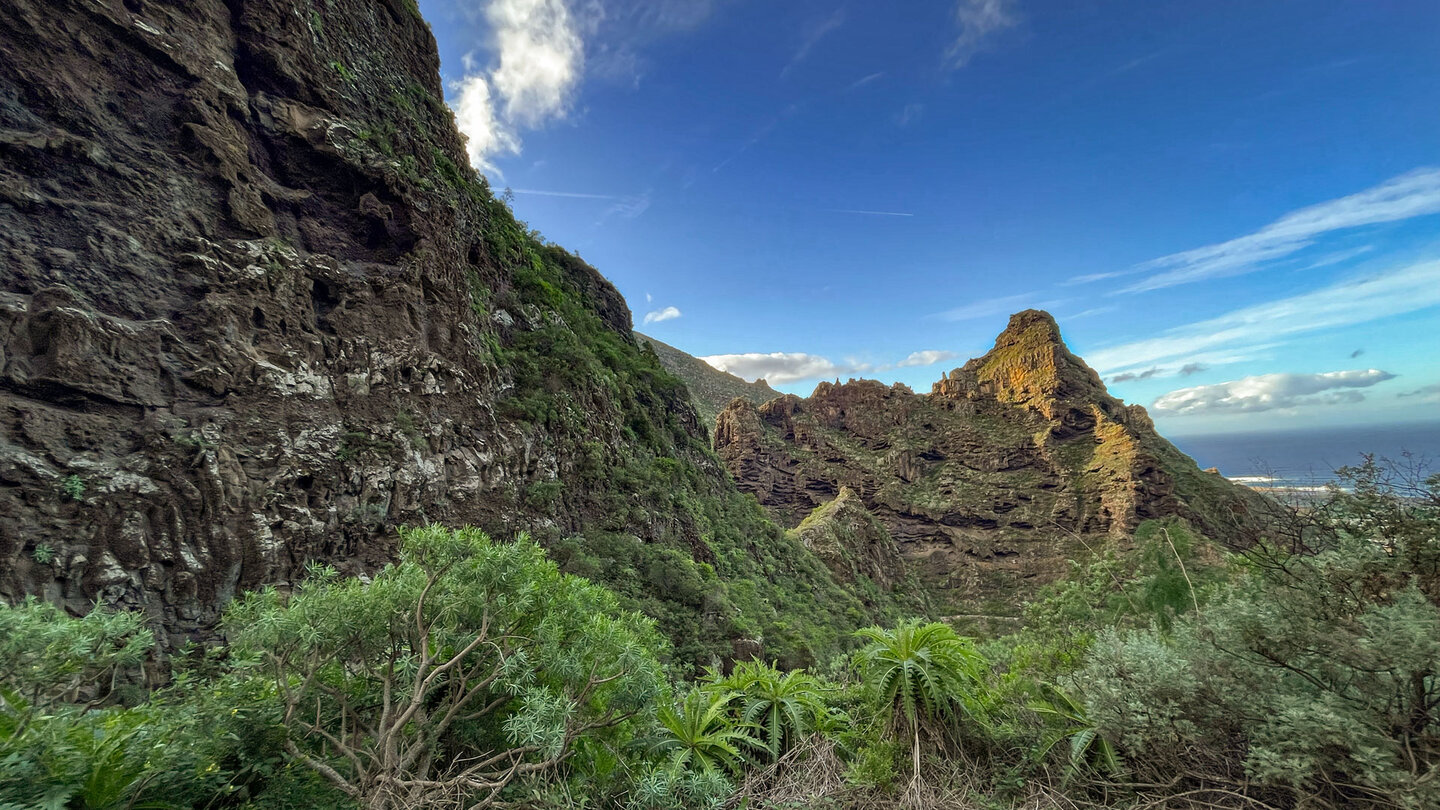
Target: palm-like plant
<point x="922" y="672"/>
<point x="1068" y="720"/>
<point x="702" y="736"/>
<point x="783" y="707"/>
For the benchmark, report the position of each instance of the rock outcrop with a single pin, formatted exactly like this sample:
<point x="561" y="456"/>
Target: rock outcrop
<point x="257" y="311"/>
<point x="852" y="542"/>
<point x="992" y="481"/>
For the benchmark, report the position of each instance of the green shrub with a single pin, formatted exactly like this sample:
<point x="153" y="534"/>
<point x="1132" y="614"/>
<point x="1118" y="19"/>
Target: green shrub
<point x="64" y="740"/>
<point x="782" y="708"/>
<point x="1315" y="676"/>
<point x="464" y="650"/>
<point x="73" y="486"/>
<point x="923" y="676"/>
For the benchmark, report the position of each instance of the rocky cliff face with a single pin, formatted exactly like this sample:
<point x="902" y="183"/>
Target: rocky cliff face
<point x="257" y="311"/>
<point x="992" y="481"/>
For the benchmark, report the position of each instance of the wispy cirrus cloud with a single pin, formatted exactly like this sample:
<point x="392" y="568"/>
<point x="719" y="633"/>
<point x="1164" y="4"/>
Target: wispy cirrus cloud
<point x="1091" y="312"/>
<point x="1409" y="195"/>
<point x="864" y="80"/>
<point x="811" y="37"/>
<point x="869" y="213"/>
<point x="1248" y="329"/>
<point x="662" y="314"/>
<point x="1338" y="257"/>
<point x="909" y="114"/>
<point x="1196" y="363"/>
<point x="1091" y="278"/>
<point x="763" y="132"/>
<point x="626" y="206"/>
<point x="986" y="307"/>
<point x="979" y="21"/>
<point x="577" y="195"/>
<point x="1267" y="392"/>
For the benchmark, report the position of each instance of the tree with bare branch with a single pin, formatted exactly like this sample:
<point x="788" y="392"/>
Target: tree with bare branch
<point x="454" y="674"/>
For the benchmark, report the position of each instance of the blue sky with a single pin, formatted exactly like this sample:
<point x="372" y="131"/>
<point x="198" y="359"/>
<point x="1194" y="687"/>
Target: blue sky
<point x="1232" y="208"/>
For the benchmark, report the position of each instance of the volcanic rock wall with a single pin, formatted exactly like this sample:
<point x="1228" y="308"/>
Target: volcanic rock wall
<point x="256" y="311"/>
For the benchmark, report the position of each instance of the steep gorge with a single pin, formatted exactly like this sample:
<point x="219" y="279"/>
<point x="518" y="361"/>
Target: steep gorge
<point x="256" y="311"/>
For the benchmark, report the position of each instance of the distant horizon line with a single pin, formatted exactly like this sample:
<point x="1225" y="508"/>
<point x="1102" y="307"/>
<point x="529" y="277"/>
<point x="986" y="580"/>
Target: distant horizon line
<point x="1435" y="423"/>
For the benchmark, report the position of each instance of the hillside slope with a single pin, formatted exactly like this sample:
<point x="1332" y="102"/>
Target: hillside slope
<point x="256" y="311"/>
<point x="990" y="483"/>
<point x="710" y="388"/>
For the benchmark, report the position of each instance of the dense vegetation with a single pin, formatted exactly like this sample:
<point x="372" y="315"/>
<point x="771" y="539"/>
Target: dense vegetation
<point x="472" y="673"/>
<point x="712" y="567"/>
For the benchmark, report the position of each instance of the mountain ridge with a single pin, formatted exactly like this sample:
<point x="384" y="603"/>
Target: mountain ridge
<point x="995" y="478"/>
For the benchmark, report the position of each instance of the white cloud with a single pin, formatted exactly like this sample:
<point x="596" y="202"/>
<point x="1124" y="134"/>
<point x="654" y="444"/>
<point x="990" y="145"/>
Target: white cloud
<point x="928" y="357"/>
<point x="979" y="20"/>
<point x="541" y="58"/>
<point x="1245" y="330"/>
<point x="779" y="368"/>
<point x="485" y="135"/>
<point x="538" y="60"/>
<point x="666" y="314"/>
<point x="1409" y="195"/>
<point x="1268" y="392"/>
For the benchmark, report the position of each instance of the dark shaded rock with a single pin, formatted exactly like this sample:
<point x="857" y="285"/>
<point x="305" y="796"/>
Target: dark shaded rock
<point x="256" y="311"/>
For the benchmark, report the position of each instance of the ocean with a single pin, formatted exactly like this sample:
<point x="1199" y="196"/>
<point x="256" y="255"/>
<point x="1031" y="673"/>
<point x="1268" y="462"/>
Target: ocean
<point x="1308" y="458"/>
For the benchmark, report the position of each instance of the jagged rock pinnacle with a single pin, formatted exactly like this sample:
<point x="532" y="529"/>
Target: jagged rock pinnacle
<point x="1031" y="365"/>
<point x="1027" y="320"/>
